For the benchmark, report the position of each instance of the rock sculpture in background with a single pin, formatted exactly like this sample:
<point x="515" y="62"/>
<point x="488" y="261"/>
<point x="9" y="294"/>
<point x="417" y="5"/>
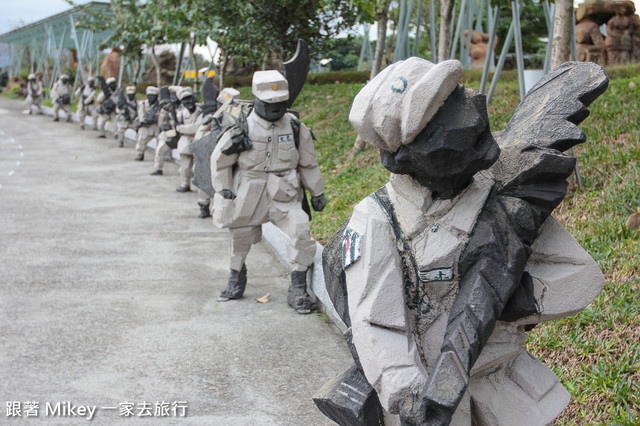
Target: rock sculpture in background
<point x="110" y="66"/>
<point x="479" y="48"/>
<point x="622" y="27"/>
<point x="619" y="28"/>
<point x="589" y="41"/>
<point x="439" y="274"/>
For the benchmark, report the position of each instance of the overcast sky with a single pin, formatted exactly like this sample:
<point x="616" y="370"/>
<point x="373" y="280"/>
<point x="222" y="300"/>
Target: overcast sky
<point x="15" y="13"/>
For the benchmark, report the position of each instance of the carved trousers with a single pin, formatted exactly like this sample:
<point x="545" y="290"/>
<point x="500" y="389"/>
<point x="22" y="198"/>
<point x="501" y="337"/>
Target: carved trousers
<point x="162" y="153"/>
<point x="145" y="134"/>
<point x="186" y="169"/>
<point x="293" y="221"/>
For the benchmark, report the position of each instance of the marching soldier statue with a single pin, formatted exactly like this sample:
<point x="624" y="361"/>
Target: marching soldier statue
<point x="107" y="101"/>
<point x="34" y="94"/>
<point x="259" y="169"/>
<point x="226" y="98"/>
<point x="86" y="103"/>
<point x="126" y="112"/>
<point x="439" y="274"/>
<point x="189" y="118"/>
<point x="61" y="95"/>
<point x="168" y="137"/>
<point x="148" y="111"/>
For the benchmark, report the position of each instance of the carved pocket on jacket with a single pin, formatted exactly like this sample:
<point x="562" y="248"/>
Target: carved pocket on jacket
<point x="283" y="186"/>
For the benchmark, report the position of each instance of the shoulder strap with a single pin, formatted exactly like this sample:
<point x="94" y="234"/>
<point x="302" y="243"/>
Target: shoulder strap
<point x="409" y="264"/>
<point x="295" y="127"/>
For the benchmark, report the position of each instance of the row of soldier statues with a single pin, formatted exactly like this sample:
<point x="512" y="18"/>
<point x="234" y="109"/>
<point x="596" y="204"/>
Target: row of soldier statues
<point x="173" y="115"/>
<point x="437" y="276"/>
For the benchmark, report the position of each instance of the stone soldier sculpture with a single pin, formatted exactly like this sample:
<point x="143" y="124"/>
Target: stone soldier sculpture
<point x="61" y="96"/>
<point x="438" y="274"/>
<point x="167" y="137"/>
<point x="34" y="94"/>
<point x="86" y="103"/>
<point x="107" y="103"/>
<point x="189" y="117"/>
<point x="126" y="112"/>
<point x="148" y="111"/>
<point x="204" y="143"/>
<point x="259" y="171"/>
<point x="618" y="42"/>
<point x="589" y="41"/>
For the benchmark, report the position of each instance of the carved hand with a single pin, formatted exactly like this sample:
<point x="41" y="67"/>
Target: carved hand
<point x="318" y="202"/>
<point x="237" y="144"/>
<point x="228" y="194"/>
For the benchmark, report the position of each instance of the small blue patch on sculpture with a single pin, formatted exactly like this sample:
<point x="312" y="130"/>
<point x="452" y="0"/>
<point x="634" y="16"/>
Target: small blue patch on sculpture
<point x="395" y="86"/>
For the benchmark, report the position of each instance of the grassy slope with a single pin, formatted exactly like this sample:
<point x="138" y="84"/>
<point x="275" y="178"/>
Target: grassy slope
<point x="597" y="352"/>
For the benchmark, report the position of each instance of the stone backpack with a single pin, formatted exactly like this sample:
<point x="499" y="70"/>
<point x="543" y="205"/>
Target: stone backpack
<point x="231" y="114"/>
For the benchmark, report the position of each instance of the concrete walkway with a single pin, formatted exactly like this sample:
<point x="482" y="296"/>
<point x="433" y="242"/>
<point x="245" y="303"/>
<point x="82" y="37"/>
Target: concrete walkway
<point x="108" y="283"/>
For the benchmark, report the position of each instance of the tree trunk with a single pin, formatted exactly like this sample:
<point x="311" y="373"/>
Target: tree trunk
<point x="561" y="53"/>
<point x="225" y="59"/>
<point x="156" y="65"/>
<point x="562" y="26"/>
<point x="194" y="64"/>
<point x="446" y="9"/>
<point x="383" y="16"/>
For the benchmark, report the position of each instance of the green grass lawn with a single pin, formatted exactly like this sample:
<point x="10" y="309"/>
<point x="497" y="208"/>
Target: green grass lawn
<point x="596" y="353"/>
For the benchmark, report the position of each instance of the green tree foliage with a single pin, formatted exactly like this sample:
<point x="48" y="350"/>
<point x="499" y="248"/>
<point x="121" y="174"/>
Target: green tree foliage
<point x="251" y="29"/>
<point x="532" y="24"/>
<point x="248" y="30"/>
<point x="344" y="53"/>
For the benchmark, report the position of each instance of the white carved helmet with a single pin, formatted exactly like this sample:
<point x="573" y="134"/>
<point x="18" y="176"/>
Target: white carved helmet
<point x="270" y="86"/>
<point x="398" y="103"/>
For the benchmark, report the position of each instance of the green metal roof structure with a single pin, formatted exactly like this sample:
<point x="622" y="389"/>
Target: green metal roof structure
<point x="38" y="32"/>
<point x="45" y="39"/>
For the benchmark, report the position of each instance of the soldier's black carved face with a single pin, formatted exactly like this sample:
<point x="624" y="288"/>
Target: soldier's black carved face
<point x="152" y="98"/>
<point x="455" y="145"/>
<point x="65" y="80"/>
<point x="189" y="103"/>
<point x="113" y="86"/>
<point x="91" y="82"/>
<point x="269" y="111"/>
<point x="131" y="96"/>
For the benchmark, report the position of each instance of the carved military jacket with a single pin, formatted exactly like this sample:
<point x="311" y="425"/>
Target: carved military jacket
<point x="189" y="123"/>
<point x="398" y="347"/>
<point x="274" y="169"/>
<point x="59" y="90"/>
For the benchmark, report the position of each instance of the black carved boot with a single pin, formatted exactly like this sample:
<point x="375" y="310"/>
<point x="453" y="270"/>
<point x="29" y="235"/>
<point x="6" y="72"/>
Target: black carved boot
<point x="235" y="287"/>
<point x="298" y="297"/>
<point x="204" y="211"/>
<point x="121" y="142"/>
